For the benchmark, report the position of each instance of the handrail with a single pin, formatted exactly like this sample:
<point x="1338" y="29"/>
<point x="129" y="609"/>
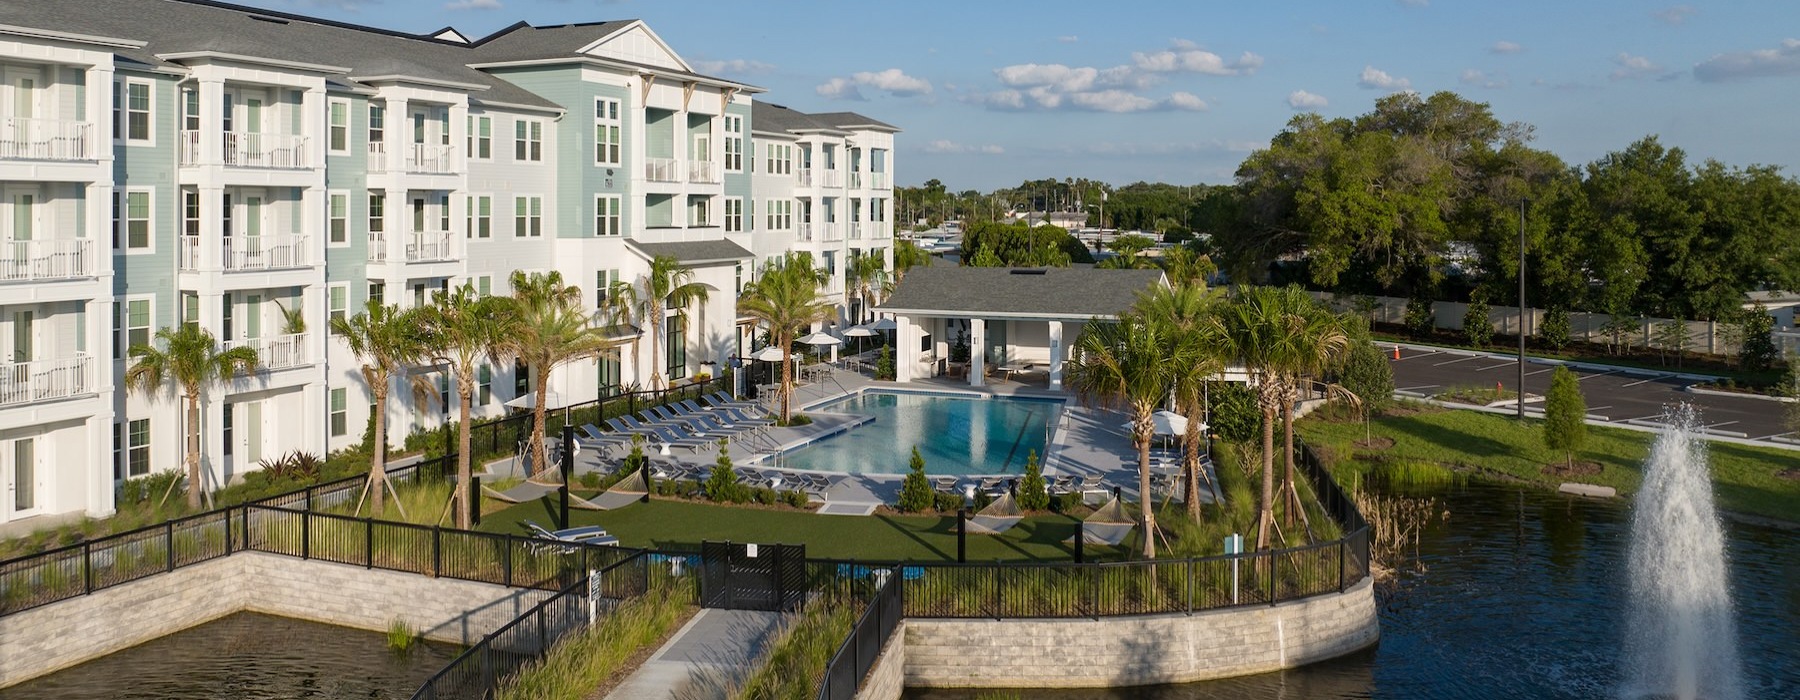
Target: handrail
<point x="854" y="658"/>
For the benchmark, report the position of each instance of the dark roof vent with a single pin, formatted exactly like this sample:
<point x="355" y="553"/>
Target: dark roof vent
<point x="270" y="20"/>
<point x="1029" y="271"/>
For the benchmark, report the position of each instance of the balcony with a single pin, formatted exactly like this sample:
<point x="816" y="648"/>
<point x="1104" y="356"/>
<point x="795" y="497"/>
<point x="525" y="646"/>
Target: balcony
<point x="45" y="139"/>
<point x="803" y="177"/>
<point x="278" y="352"/>
<point x="421" y="246"/>
<point x="833" y="178"/>
<point x="27" y="261"/>
<point x="249" y="253"/>
<point x="250" y="150"/>
<point x="45" y="380"/>
<point x="879" y="181"/>
<point x="829" y="232"/>
<point x="805" y="232"/>
<point x="878" y="230"/>
<point x="421" y="158"/>
<point x="856" y="179"/>
<point x="703" y="171"/>
<point x="662" y="170"/>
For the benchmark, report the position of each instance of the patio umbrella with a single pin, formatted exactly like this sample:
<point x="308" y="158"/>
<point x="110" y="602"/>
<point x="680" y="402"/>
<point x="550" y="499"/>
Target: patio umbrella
<point x="859" y="332"/>
<point x="552" y="400"/>
<point x="823" y="338"/>
<point x="1167" y="424"/>
<point x="886" y="324"/>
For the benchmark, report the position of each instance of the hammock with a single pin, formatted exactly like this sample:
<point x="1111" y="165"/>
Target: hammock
<point x="629" y="490"/>
<point x="1108" y="525"/>
<point x="997" y="517"/>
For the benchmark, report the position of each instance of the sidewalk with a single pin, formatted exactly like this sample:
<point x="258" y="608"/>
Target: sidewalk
<point x="711" y="653"/>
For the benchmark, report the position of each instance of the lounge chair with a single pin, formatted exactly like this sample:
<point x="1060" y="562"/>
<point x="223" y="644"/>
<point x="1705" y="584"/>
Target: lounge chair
<point x="816" y="484"/>
<point x="663" y="416"/>
<point x="993" y="486"/>
<point x="604" y="439"/>
<point x="668" y="436"/>
<point x="945" y="484"/>
<point x="591" y="534"/>
<point x="707" y="422"/>
<point x="722" y="400"/>
<point x="997" y="517"/>
<point x="627" y="424"/>
<point x="734" y="416"/>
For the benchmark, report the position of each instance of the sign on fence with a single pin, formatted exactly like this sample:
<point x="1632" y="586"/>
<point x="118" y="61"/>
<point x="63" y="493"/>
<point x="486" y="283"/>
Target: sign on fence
<point x="593" y="597"/>
<point x="1234" y="544"/>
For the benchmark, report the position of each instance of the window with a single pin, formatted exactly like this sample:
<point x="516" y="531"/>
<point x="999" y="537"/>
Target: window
<point x="377" y="213"/>
<point x="734" y="214"/>
<point x="739" y="284"/>
<point x="340" y="412"/>
<point x="225" y="428"/>
<point x="607" y="368"/>
<point x="606" y="132"/>
<point x="606" y="215"/>
<point x="484" y="385"/>
<point x="118" y="442"/>
<point x="190" y="212"/>
<point x="521" y="379"/>
<point x="338" y="304"/>
<point x="131" y="111"/>
<point x="481" y="137"/>
<point x="377" y="290"/>
<point x="481" y="217"/>
<point x="878" y="209"/>
<point x="676" y="342"/>
<point x="137" y="447"/>
<point x="781" y="214"/>
<point x="528" y="140"/>
<point x="700" y="211"/>
<point x="190" y="307"/>
<point x="131" y="220"/>
<point x="603" y="284"/>
<point x="528" y="217"/>
<point x="734" y="144"/>
<point x="377" y="124"/>
<point x="339" y="226"/>
<point x="190" y="109"/>
<point x="339" y="134"/>
<point x="484" y="285"/>
<point x="780" y="157"/>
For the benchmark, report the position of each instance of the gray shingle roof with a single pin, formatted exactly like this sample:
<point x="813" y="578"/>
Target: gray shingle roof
<point x="694" y="252"/>
<point x="1057" y="291"/>
<point x="180" y="26"/>
<point x="851" y="120"/>
<point x="777" y="118"/>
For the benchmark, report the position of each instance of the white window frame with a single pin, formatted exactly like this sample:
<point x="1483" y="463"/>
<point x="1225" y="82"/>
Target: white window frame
<point x="335" y="410"/>
<point x="734" y="214"/>
<point x="377" y="219"/>
<point x="475" y="223"/>
<point x="780" y="214"/>
<point x="332" y="219"/>
<point x="122" y="112"/>
<point x="734" y="143"/>
<point x="484" y="384"/>
<point x="332" y="307"/>
<point x="122" y="220"/>
<point x="131" y="449"/>
<point x="333" y="130"/>
<point x="528" y="140"/>
<point x="609" y="127"/>
<point x="484" y="285"/>
<point x="603" y="284"/>
<point x="529" y="223"/>
<point x="609" y="215"/>
<point x="125" y="326"/>
<point x="377" y="128"/>
<point x="477" y="142"/>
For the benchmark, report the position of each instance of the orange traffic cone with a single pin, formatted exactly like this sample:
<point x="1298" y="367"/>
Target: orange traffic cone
<point x="1396" y="352"/>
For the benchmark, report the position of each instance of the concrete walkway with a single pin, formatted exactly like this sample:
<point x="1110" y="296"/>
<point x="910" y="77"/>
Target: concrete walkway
<point x="709" y="655"/>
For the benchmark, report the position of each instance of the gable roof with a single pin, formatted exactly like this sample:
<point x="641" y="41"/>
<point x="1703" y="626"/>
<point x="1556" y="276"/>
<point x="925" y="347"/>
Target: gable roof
<point x="523" y="43"/>
<point x="852" y="120"/>
<point x="775" y="118"/>
<point x="1056" y="292"/>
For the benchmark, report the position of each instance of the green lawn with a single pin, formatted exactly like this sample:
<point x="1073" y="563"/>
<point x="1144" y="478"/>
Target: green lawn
<point x="1743" y="477"/>
<point x="679" y="525"/>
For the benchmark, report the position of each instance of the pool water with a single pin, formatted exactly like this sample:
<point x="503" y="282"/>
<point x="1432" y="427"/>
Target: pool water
<point x="956" y="435"/>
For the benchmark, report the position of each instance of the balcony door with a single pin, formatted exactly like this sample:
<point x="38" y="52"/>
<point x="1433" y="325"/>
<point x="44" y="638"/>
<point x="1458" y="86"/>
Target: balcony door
<point x="18" y="222"/>
<point x="21" y="475"/>
<point x="19" y="104"/>
<point x="253" y="313"/>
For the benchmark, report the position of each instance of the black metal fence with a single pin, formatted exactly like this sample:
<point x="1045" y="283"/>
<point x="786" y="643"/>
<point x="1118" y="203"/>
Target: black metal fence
<point x="479" y="670"/>
<point x="859" y="652"/>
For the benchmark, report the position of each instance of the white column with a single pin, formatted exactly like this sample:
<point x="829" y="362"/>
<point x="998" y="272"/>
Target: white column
<point x="459" y="135"/>
<point x="1056" y="354"/>
<point x="977" y="350"/>
<point x="212" y="121"/>
<point x="212" y="232"/>
<point x="396" y="224"/>
<point x="906" y="337"/>
<point x="313" y="125"/>
<point x="98" y="496"/>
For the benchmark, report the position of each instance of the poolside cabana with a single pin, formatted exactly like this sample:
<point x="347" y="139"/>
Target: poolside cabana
<point x="1015" y="320"/>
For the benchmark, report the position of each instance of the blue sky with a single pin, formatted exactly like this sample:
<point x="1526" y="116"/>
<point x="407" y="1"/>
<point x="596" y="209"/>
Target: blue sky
<point x="992" y="93"/>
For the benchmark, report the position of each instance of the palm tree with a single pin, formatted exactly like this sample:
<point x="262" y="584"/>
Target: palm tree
<point x="550" y="329"/>
<point x="1321" y="340"/>
<point x="462" y="329"/>
<point x="667" y="285"/>
<point x="386" y="341"/>
<point x="1194" y="357"/>
<point x="785" y="297"/>
<point x="189" y="361"/>
<point x="869" y="273"/>
<point x="1122" y="365"/>
<point x="908" y="255"/>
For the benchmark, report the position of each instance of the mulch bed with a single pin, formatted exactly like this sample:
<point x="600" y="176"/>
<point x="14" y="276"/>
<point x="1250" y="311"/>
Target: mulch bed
<point x="1789" y="474"/>
<point x="1380" y="443"/>
<point x="1581" y="468"/>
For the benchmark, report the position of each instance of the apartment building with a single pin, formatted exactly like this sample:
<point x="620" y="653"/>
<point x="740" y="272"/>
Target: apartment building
<point x="260" y="173"/>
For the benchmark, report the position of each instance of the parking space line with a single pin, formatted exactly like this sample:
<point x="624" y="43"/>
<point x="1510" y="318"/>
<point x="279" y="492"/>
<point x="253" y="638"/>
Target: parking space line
<point x="1541" y="371"/>
<point x="1597" y="374"/>
<point x="1641" y="381"/>
<point x="1459" y="359"/>
<point x="1498" y="366"/>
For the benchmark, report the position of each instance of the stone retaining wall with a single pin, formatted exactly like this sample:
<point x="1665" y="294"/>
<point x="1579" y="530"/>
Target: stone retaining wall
<point x="888" y="679"/>
<point x="54" y="637"/>
<point x="1138" y="650"/>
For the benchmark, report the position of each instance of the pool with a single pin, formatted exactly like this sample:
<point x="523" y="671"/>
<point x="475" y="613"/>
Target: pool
<point x="955" y="434"/>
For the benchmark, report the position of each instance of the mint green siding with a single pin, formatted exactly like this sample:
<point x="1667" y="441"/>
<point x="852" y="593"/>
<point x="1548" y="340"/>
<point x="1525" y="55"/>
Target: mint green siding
<point x="350" y="173"/>
<point x="578" y="179"/>
<point x="152" y="167"/>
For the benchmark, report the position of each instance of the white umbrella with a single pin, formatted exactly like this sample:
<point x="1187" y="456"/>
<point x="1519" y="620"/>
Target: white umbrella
<point x="769" y="354"/>
<point x="820" y="338"/>
<point x="859" y="332"/>
<point x="1167" y="424"/>
<point x="552" y="400"/>
<point x="886" y="324"/>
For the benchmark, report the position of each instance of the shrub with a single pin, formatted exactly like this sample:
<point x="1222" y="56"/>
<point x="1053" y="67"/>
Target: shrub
<point x="915" y="491"/>
<point x="1235" y="417"/>
<point x="947" y="502"/>
<point x="1758" y="352"/>
<point x="884" y="366"/>
<point x="1419" y="320"/>
<point x="293" y="466"/>
<point x="1478" y="328"/>
<point x="1032" y="493"/>
<point x="1065" y="502"/>
<point x="796" y="499"/>
<point x="589" y="480"/>
<point x="1554" y="330"/>
<point x="722" y="486"/>
<point x="1564" y="413"/>
<point x="1367" y="374"/>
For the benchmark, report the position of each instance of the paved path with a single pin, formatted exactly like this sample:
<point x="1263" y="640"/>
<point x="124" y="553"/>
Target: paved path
<point x="1618" y="395"/>
<point x="711" y="653"/>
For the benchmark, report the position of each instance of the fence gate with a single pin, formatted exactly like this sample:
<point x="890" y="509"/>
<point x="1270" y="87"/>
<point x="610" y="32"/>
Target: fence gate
<point x="738" y="576"/>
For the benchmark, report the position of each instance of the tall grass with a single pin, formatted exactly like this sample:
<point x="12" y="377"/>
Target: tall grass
<point x="400" y="636"/>
<point x="579" y="663"/>
<point x="795" y="664"/>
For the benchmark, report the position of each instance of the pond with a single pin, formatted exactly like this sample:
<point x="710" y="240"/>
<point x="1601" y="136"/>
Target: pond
<point x="1523" y="596"/>
<point x="247" y="656"/>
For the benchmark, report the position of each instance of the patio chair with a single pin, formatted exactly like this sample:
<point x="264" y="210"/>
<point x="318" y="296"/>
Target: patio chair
<point x="665" y="416"/>
<point x="723" y="400"/>
<point x="627" y="424"/>
<point x="736" y="417"/>
<point x="668" y="436"/>
<point x="817" y="484"/>
<point x="993" y="485"/>
<point x="591" y="534"/>
<point x="945" y="484"/>
<point x="709" y="422"/>
<point x="604" y="439"/>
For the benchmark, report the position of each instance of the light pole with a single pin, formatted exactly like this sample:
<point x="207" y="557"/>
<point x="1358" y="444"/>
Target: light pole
<point x="1521" y="389"/>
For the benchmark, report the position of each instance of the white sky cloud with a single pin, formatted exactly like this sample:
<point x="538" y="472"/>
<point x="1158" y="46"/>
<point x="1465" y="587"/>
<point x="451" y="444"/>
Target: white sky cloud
<point x="1306" y="101"/>
<point x="1068" y="38"/>
<point x="892" y="81"/>
<point x="1415" y="3"/>
<point x="1505" y="48"/>
<point x="1373" y="79"/>
<point x="951" y="147"/>
<point x="1674" y="16"/>
<point x="1187" y="57"/>
<point x="473" y="5"/>
<point x="1782" y="60"/>
<point x="1482" y="79"/>
<point x="734" y="66"/>
<point x="1629" y="67"/>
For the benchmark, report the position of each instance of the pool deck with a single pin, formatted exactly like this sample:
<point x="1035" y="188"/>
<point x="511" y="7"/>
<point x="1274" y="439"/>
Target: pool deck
<point x="1085" y="442"/>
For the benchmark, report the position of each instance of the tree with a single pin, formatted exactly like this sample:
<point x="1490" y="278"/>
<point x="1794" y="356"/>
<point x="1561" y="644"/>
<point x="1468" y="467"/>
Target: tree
<point x="1184" y="313"/>
<point x="386" y="341"/>
<point x="1618" y="329"/>
<point x="190" y="361"/>
<point x="549" y="329"/>
<point x="1234" y="416"/>
<point x="1758" y="352"/>
<point x="985" y="257"/>
<point x="462" y="330"/>
<point x="1673" y="336"/>
<point x="785" y="299"/>
<point x="1478" y="328"/>
<point x="722" y="484"/>
<point x="667" y="285"/>
<point x="1420" y="321"/>
<point x="1121" y="365"/>
<point x="1554" y="331"/>
<point x="1565" y="414"/>
<point x="1032" y="493"/>
<point x="915" y="491"/>
<point x="869" y="276"/>
<point x="1368" y="375"/>
<point x="908" y="255"/>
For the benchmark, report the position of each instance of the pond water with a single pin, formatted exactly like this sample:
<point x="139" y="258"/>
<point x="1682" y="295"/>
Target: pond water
<point x="1523" y="596"/>
<point x="247" y="656"/>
